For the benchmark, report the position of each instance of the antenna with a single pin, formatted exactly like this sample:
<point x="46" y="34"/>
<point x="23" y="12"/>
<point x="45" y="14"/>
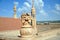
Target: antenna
<point x="32" y="3"/>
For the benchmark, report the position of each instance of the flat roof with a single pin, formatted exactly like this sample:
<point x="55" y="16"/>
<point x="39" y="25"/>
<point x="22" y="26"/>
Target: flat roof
<point x="9" y="24"/>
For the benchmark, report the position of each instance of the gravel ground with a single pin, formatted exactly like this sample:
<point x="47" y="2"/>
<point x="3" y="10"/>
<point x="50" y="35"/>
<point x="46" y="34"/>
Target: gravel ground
<point x="45" y="32"/>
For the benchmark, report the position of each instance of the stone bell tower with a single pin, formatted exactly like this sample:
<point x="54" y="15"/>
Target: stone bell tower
<point x="33" y="14"/>
<point x="14" y="16"/>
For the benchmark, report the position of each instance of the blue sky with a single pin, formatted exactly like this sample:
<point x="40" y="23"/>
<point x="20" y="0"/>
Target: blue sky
<point x="45" y="9"/>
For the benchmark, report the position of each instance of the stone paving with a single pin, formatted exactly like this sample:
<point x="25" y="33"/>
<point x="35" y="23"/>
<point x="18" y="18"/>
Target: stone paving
<point x="46" y="35"/>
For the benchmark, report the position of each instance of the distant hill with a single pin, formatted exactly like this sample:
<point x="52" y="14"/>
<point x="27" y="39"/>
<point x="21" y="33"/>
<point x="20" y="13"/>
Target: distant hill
<point x="47" y="22"/>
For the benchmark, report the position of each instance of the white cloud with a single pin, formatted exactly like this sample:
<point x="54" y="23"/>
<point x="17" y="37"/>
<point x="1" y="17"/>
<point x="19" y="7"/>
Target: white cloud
<point x="39" y="4"/>
<point x="27" y="4"/>
<point x="19" y="9"/>
<point x="25" y="8"/>
<point x="16" y="3"/>
<point x="43" y="12"/>
<point x="57" y="6"/>
<point x="56" y="12"/>
<point x="30" y="1"/>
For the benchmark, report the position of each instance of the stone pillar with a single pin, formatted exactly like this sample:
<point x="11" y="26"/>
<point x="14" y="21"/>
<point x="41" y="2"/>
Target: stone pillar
<point x="14" y="11"/>
<point x="33" y="14"/>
